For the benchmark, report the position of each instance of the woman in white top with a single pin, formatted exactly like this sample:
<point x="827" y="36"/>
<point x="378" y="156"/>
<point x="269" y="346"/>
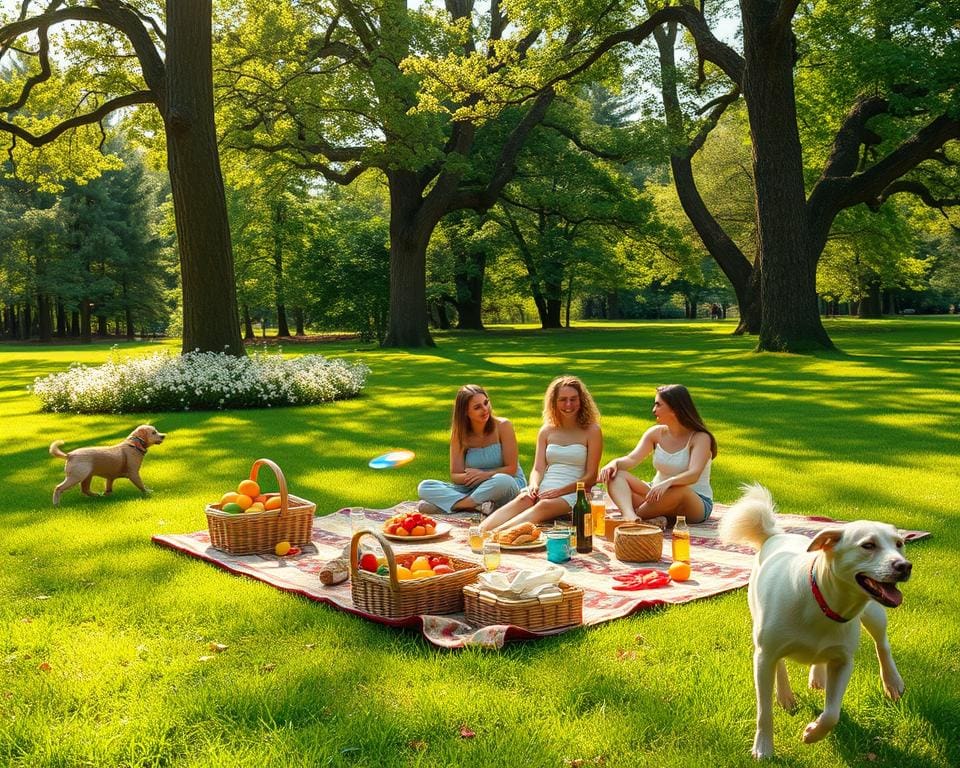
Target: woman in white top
<point x="569" y="446"/>
<point x="683" y="449"/>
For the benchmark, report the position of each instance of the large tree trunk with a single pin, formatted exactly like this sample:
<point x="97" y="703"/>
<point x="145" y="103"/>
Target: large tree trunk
<point x="44" y="317"/>
<point x="871" y="305"/>
<point x="790" y="321"/>
<point x="410" y="230"/>
<point x="468" y="278"/>
<point x="279" y="219"/>
<point x="210" y="319"/>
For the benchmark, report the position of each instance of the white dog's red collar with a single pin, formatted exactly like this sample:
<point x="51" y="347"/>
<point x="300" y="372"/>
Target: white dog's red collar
<point x="138" y="443"/>
<point x="821" y="600"/>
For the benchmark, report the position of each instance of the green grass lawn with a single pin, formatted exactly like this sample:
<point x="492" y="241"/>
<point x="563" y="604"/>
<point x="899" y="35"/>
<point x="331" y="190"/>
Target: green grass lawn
<point x="106" y="638"/>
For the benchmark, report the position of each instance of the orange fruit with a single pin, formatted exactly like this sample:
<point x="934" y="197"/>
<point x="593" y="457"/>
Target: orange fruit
<point x="248" y="488"/>
<point x="401" y="531"/>
<point x="420" y="564"/>
<point x="679" y="570"/>
<point x="243" y="501"/>
<point x="228" y="497"/>
<point x="272" y="502"/>
<point x="418" y="530"/>
<point x="282" y="548"/>
<point x="430" y="529"/>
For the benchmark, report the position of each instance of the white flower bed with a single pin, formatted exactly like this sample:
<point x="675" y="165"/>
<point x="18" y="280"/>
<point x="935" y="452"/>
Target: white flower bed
<point x="199" y="380"/>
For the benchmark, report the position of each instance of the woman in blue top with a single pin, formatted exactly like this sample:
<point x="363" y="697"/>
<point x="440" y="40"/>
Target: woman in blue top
<point x="484" y="465"/>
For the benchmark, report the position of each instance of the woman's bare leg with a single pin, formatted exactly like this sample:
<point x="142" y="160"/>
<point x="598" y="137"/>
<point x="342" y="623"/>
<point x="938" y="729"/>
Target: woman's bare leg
<point x="507" y="513"/>
<point x="543" y="510"/>
<point x="627" y="491"/>
<point x="678" y="500"/>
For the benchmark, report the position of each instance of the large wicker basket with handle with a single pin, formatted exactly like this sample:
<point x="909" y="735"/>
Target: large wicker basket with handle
<point x="638" y="543"/>
<point x="249" y="533"/>
<point x="391" y="598"/>
<point x="537" y="615"/>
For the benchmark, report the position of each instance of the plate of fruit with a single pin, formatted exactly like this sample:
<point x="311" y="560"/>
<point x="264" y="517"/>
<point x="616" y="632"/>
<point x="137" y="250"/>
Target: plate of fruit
<point x="413" y="526"/>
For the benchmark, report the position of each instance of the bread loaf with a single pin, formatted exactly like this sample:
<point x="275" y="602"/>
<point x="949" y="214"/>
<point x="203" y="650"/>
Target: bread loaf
<point x="524" y="533"/>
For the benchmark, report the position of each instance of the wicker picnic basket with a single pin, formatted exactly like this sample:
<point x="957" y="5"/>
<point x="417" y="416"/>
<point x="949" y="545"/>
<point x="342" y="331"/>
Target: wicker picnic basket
<point x="638" y="543"/>
<point x="250" y="533"/>
<point x="484" y="608"/>
<point x="391" y="598"/>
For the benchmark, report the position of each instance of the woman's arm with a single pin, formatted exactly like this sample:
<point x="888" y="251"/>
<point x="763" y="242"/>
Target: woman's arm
<point x="643" y="449"/>
<point x="457" y="462"/>
<point x="539" y="465"/>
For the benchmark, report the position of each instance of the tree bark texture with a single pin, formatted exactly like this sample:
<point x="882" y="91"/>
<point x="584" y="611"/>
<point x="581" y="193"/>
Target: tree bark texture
<point x="468" y="278"/>
<point x="210" y="319"/>
<point x="790" y="321"/>
<point x="411" y="226"/>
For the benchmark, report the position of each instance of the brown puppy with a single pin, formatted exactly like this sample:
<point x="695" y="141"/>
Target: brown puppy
<point x="121" y="460"/>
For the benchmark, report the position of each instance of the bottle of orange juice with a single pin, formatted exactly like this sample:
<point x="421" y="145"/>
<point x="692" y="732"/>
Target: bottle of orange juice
<point x="681" y="540"/>
<point x="598" y="508"/>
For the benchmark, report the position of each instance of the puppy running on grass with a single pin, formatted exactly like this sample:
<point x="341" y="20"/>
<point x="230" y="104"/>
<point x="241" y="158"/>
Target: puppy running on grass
<point x="121" y="460"/>
<point x="808" y="599"/>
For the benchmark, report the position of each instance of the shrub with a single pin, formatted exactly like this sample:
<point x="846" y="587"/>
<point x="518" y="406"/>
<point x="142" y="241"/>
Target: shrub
<point x="199" y="380"/>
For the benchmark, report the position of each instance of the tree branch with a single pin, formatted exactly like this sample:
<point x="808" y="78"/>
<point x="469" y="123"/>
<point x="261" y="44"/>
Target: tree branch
<point x="89" y="118"/>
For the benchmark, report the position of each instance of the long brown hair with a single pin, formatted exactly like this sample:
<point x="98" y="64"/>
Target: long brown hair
<point x="588" y="413"/>
<point x="678" y="398"/>
<point x="460" y="423"/>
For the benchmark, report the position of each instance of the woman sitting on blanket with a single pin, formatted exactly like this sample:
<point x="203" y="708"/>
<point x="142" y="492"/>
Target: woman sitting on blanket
<point x="682" y="449"/>
<point x="484" y="466"/>
<point x="568" y="450"/>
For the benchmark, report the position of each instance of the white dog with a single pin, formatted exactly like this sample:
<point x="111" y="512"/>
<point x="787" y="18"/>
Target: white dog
<point x="808" y="598"/>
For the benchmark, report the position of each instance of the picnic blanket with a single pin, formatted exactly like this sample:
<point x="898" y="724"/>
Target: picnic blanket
<point x="717" y="568"/>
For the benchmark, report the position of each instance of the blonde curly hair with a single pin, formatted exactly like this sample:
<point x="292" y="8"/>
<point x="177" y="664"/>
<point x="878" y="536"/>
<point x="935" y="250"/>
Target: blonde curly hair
<point x="588" y="413"/>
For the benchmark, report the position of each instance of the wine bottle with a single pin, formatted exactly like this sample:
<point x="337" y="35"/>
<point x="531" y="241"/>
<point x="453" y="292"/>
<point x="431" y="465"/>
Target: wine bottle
<point x="583" y="521"/>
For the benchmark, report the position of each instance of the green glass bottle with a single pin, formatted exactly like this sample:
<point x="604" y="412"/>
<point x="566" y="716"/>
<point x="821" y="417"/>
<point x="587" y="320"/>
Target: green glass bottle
<point x="583" y="521"/>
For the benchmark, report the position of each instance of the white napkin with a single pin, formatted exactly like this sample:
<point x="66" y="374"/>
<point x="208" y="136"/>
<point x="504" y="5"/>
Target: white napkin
<point x="541" y="584"/>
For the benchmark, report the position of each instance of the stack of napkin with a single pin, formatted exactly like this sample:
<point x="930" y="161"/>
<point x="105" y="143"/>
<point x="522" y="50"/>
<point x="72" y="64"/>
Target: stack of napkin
<point x="542" y="584"/>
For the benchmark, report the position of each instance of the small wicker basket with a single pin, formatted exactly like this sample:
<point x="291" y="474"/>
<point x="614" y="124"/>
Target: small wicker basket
<point x="391" y="598"/>
<point x="250" y="533"/>
<point x="483" y="608"/>
<point x="638" y="543"/>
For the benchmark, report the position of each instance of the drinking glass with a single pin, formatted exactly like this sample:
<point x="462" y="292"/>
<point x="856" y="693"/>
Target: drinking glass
<point x="491" y="555"/>
<point x="476" y="537"/>
<point x="358" y="521"/>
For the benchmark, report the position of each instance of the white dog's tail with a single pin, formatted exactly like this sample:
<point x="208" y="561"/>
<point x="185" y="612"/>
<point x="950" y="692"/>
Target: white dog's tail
<point x="55" y="449"/>
<point x="751" y="519"/>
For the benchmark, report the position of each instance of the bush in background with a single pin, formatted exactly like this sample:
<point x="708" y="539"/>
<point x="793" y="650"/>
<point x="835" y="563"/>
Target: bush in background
<point x="199" y="380"/>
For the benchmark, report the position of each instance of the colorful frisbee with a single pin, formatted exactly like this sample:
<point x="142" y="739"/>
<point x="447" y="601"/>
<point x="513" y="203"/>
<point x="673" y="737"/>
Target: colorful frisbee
<point x="392" y="459"/>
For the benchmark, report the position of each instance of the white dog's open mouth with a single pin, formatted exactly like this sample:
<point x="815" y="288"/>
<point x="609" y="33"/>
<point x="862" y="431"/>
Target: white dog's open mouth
<point x="884" y="592"/>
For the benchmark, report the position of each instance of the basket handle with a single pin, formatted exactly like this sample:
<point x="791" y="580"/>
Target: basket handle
<point x="281" y="481"/>
<point x="387" y="551"/>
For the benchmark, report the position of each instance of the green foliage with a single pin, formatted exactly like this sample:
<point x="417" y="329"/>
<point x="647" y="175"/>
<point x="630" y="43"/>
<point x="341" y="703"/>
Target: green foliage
<point x="346" y="267"/>
<point x="125" y="626"/>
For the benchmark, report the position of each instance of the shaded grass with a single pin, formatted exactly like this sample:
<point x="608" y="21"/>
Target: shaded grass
<point x="869" y="432"/>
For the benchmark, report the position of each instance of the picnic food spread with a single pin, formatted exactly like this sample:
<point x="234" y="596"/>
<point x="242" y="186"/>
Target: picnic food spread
<point x="524" y="533"/>
<point x="410" y="524"/>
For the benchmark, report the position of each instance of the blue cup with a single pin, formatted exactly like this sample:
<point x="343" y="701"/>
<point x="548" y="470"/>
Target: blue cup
<point x="558" y="546"/>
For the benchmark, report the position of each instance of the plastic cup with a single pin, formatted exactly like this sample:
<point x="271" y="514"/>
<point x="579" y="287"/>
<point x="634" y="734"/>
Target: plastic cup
<point x="558" y="546"/>
<point x="358" y="521"/>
